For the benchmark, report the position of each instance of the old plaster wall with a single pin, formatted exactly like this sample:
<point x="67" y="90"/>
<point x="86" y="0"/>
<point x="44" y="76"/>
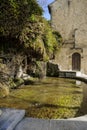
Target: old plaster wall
<point x="69" y="17"/>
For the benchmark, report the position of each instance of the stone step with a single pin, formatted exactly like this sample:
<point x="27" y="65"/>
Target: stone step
<point x="68" y="125"/>
<point x="41" y="124"/>
<point x="10" y="118"/>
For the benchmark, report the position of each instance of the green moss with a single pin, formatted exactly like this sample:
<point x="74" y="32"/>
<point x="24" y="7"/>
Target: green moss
<point x="38" y="39"/>
<point x="32" y="34"/>
<point x="15" y="83"/>
<point x="49" y="98"/>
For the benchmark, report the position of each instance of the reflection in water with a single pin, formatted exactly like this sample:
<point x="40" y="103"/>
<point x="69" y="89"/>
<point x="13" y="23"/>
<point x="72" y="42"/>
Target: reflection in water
<point x="83" y="108"/>
<point x="78" y="82"/>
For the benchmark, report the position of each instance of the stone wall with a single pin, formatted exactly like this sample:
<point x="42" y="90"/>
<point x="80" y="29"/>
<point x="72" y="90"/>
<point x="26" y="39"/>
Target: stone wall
<point x="69" y="18"/>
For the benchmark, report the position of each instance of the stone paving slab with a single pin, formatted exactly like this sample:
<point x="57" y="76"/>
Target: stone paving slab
<point x="67" y="125"/>
<point x="33" y="124"/>
<point x="40" y="124"/>
<point x="10" y="118"/>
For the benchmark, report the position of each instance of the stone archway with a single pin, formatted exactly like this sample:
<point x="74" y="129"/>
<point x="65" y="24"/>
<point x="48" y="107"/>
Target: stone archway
<point x="76" y="61"/>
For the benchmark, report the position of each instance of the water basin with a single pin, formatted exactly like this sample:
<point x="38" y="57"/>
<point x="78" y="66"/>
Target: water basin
<point x="50" y="98"/>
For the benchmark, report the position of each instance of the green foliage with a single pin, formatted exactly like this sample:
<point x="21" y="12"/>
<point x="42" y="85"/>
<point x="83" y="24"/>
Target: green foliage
<point x="12" y="83"/>
<point x="50" y="40"/>
<point x="14" y="14"/>
<point x="38" y="35"/>
<point x="21" y="20"/>
<point x="58" y="37"/>
<point x="15" y="83"/>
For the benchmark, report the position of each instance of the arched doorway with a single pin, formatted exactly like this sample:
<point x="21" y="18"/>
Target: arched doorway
<point x="76" y="61"/>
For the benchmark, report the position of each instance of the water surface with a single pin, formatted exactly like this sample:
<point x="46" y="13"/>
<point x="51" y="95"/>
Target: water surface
<point x="47" y="98"/>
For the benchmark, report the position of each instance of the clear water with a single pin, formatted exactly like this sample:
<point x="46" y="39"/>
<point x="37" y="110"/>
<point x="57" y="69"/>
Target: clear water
<point x="47" y="98"/>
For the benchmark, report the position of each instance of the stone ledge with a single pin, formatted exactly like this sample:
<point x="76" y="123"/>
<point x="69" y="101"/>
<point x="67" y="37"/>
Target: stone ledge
<point x="10" y="118"/>
<point x="79" y="123"/>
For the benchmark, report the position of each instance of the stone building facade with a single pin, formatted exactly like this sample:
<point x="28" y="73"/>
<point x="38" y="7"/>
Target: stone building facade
<point x="69" y="18"/>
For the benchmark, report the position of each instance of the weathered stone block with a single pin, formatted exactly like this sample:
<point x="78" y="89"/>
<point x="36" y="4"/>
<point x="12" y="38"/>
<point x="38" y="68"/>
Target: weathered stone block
<point x="52" y="69"/>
